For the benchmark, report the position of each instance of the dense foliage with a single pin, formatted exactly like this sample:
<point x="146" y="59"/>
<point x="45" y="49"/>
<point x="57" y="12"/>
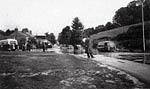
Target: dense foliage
<point x="65" y="35"/>
<point x="77" y="29"/>
<point x="132" y="13"/>
<point x="133" y="38"/>
<point x="7" y="32"/>
<point x="51" y="37"/>
<point x="72" y="36"/>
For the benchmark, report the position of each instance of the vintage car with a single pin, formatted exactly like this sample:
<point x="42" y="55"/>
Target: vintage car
<point x="106" y="46"/>
<point x="8" y="45"/>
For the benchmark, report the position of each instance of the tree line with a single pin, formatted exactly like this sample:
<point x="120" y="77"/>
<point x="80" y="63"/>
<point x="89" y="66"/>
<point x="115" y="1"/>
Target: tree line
<point x="131" y="14"/>
<point x="8" y="31"/>
<point x="49" y="36"/>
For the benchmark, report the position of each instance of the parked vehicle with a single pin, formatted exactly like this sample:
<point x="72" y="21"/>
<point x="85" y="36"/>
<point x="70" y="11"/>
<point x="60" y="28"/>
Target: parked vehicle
<point x="106" y="46"/>
<point x="48" y="44"/>
<point x="78" y="49"/>
<point x="8" y="44"/>
<point x="67" y="48"/>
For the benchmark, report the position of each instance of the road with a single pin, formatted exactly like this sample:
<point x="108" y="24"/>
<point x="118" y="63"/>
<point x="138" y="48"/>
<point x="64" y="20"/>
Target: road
<point x="50" y="70"/>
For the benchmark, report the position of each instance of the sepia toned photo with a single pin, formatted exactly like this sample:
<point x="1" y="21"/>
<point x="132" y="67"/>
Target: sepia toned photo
<point x="74" y="44"/>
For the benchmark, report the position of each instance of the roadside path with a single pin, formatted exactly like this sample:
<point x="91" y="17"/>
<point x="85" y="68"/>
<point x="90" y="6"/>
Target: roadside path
<point x="138" y="70"/>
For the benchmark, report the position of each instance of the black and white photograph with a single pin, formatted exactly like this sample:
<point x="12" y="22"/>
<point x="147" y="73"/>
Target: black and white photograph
<point x="74" y="44"/>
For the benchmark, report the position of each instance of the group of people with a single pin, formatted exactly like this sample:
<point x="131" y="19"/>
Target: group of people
<point x="13" y="47"/>
<point x="26" y="47"/>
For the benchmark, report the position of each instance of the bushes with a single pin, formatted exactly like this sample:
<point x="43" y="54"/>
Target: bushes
<point x="133" y="38"/>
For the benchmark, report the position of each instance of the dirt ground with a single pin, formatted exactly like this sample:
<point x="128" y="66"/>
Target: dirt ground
<point x="48" y="70"/>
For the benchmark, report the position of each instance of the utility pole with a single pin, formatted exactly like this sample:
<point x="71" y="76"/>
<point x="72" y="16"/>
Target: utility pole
<point x="143" y="27"/>
<point x="142" y="1"/>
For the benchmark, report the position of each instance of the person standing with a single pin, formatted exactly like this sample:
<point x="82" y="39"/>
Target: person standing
<point x="28" y="47"/>
<point x="23" y="47"/>
<point x="12" y="47"/>
<point x="88" y="50"/>
<point x="44" y="46"/>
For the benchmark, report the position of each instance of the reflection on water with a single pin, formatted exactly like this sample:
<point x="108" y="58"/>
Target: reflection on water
<point x="137" y="57"/>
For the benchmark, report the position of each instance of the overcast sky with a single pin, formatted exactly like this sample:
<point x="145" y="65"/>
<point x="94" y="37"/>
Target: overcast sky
<point x="43" y="16"/>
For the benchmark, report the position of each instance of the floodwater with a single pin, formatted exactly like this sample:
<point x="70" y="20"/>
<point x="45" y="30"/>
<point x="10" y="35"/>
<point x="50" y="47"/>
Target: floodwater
<point x="136" y="57"/>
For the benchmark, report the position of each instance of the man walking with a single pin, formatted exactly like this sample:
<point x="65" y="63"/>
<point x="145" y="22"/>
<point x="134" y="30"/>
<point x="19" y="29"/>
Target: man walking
<point x="88" y="50"/>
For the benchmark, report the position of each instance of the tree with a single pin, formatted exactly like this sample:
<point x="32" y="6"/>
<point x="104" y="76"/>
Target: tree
<point x="132" y="39"/>
<point x="122" y="17"/>
<point x="51" y="37"/>
<point x="110" y="25"/>
<point x="99" y="28"/>
<point x="146" y="10"/>
<point x="8" y="32"/>
<point x="65" y="35"/>
<point x="77" y="29"/>
<point x="2" y="32"/>
<point x="25" y="30"/>
<point x="77" y="25"/>
<point x="60" y="40"/>
<point x="132" y="13"/>
<point x="88" y="32"/>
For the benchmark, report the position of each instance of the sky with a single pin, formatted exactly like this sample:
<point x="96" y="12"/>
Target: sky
<point x="52" y="16"/>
